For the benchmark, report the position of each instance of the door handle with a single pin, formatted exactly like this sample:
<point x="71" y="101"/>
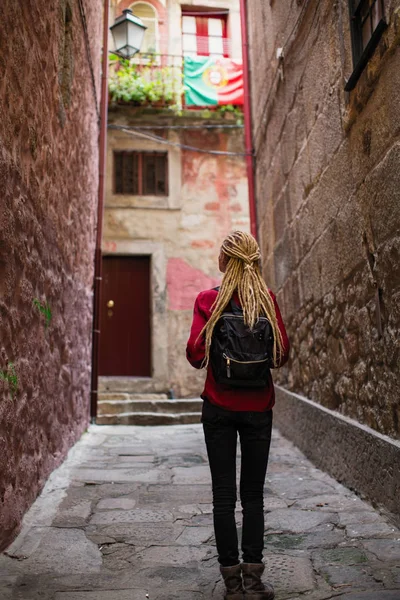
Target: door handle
<point x="110" y="304"/>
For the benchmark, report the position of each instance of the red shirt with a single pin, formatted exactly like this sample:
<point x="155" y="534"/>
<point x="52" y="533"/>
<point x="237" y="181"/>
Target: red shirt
<point x="239" y="399"/>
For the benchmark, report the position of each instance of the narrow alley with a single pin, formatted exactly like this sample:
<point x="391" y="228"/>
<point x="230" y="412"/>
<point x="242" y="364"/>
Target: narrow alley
<point x="128" y="517"/>
<point x="199" y="220"/>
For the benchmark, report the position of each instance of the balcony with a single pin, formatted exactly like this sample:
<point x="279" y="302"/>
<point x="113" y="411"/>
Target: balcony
<point x="147" y="80"/>
<point x="176" y="82"/>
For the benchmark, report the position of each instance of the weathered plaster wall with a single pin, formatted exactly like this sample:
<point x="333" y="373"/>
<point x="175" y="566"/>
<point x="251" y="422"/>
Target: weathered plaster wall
<point x="328" y="201"/>
<point x="208" y="198"/>
<point x="48" y="178"/>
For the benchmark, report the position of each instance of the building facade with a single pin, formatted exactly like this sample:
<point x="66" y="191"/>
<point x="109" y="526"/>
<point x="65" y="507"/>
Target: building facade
<point x="326" y="111"/>
<point x="49" y="130"/>
<point x="176" y="185"/>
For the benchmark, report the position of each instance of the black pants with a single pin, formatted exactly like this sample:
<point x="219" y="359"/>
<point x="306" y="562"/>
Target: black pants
<point x="220" y="430"/>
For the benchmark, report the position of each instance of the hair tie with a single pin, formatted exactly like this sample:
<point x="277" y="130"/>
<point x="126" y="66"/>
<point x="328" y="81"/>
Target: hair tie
<point x="254" y="257"/>
<point x="250" y="260"/>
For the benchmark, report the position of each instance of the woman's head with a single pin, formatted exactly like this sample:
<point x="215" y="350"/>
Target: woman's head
<point x="242" y="247"/>
<point x="240" y="260"/>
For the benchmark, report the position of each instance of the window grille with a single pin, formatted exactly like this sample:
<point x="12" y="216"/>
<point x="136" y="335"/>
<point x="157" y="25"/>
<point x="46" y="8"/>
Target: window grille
<point x="367" y="19"/>
<point x="141" y="173"/>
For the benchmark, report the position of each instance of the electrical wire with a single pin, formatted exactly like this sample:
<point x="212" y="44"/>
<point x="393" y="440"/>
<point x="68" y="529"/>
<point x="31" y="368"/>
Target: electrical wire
<point x="311" y="28"/>
<point x="261" y="127"/>
<point x="221" y="126"/>
<point x="161" y="140"/>
<point x="299" y="18"/>
<point x="283" y="29"/>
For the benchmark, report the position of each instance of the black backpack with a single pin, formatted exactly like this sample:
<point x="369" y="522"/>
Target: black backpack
<point x="241" y="357"/>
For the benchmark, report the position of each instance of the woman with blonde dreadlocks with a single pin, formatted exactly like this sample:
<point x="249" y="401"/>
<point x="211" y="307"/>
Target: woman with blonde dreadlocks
<point x="229" y="411"/>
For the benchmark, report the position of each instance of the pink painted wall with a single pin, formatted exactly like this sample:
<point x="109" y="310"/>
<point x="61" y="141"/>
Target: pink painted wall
<point x="184" y="283"/>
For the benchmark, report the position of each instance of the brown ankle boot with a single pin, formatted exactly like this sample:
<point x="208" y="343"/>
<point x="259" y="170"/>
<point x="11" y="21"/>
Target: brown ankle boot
<point x="233" y="582"/>
<point x="254" y="588"/>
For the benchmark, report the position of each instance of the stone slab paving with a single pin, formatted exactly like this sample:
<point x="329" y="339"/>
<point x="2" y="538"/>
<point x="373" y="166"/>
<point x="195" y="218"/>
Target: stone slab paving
<point x="128" y="516"/>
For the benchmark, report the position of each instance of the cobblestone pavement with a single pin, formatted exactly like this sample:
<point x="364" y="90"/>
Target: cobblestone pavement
<point x="128" y="517"/>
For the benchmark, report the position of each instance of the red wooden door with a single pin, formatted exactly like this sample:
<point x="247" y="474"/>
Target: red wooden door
<point x="125" y="317"/>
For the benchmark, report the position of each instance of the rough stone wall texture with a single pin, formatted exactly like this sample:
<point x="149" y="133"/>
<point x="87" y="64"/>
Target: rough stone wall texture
<point x="208" y="199"/>
<point x="49" y="180"/>
<point x="363" y="460"/>
<point x="328" y="200"/>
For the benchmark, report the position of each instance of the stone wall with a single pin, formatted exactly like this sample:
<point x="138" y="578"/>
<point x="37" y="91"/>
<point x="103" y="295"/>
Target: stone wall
<point x="207" y="199"/>
<point x="328" y="201"/>
<point x="49" y="180"/>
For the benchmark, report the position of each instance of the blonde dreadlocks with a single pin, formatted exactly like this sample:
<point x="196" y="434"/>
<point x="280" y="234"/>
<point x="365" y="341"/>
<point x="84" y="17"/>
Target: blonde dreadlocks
<point x="243" y="275"/>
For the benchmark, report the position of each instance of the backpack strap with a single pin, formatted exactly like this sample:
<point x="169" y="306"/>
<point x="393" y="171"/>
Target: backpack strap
<point x="235" y="308"/>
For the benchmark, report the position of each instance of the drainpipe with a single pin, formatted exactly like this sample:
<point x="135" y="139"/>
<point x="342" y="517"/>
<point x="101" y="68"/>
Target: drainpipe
<point x="247" y="120"/>
<point x="100" y="210"/>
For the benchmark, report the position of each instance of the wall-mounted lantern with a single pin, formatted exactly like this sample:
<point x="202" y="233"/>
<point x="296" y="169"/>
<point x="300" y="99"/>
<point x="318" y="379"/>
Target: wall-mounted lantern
<point x="128" y="32"/>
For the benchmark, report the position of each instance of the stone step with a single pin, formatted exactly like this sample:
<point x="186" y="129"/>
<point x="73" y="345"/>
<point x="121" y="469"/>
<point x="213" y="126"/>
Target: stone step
<point x="130" y="396"/>
<point x="149" y="418"/>
<point x="135" y="385"/>
<point x="147" y="405"/>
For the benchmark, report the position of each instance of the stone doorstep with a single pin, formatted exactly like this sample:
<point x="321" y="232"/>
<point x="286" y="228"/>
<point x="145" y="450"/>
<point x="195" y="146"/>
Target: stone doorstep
<point x="144" y="404"/>
<point x="134" y="385"/>
<point x="113" y="396"/>
<point x="149" y="418"/>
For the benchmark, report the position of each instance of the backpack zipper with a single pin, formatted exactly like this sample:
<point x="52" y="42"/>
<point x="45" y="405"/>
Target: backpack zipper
<point x="228" y="367"/>
<point x="241" y="316"/>
<point x="241" y="362"/>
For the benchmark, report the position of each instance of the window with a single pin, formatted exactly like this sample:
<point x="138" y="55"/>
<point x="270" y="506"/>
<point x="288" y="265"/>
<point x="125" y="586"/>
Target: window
<point x="141" y="173"/>
<point x="204" y="34"/>
<point x="367" y="19"/>
<point x="148" y="14"/>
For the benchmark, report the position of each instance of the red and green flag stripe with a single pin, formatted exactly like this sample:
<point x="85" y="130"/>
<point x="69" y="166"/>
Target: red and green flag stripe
<point x="211" y="81"/>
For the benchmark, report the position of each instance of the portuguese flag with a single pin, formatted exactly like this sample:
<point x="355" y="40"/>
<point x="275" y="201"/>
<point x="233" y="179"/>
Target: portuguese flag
<point x="211" y="81"/>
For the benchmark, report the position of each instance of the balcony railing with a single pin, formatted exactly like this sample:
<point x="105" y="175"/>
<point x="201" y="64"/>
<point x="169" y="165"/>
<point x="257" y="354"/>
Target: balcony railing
<point x="158" y="80"/>
<point x="194" y="45"/>
<point x="147" y="80"/>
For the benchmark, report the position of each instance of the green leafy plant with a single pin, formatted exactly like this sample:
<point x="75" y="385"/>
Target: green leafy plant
<point x="10" y="377"/>
<point x="148" y="84"/>
<point x="44" y="309"/>
<point x="230" y="109"/>
<point x="114" y="58"/>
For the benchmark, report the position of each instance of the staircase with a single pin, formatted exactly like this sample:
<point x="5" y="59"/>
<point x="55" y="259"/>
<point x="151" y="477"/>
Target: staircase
<point x="146" y="409"/>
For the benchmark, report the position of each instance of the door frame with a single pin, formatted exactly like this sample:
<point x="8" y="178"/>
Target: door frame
<point x="158" y="315"/>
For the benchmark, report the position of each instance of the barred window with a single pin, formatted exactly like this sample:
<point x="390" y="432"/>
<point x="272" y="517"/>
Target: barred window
<point x="141" y="173"/>
<point x="367" y="18"/>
